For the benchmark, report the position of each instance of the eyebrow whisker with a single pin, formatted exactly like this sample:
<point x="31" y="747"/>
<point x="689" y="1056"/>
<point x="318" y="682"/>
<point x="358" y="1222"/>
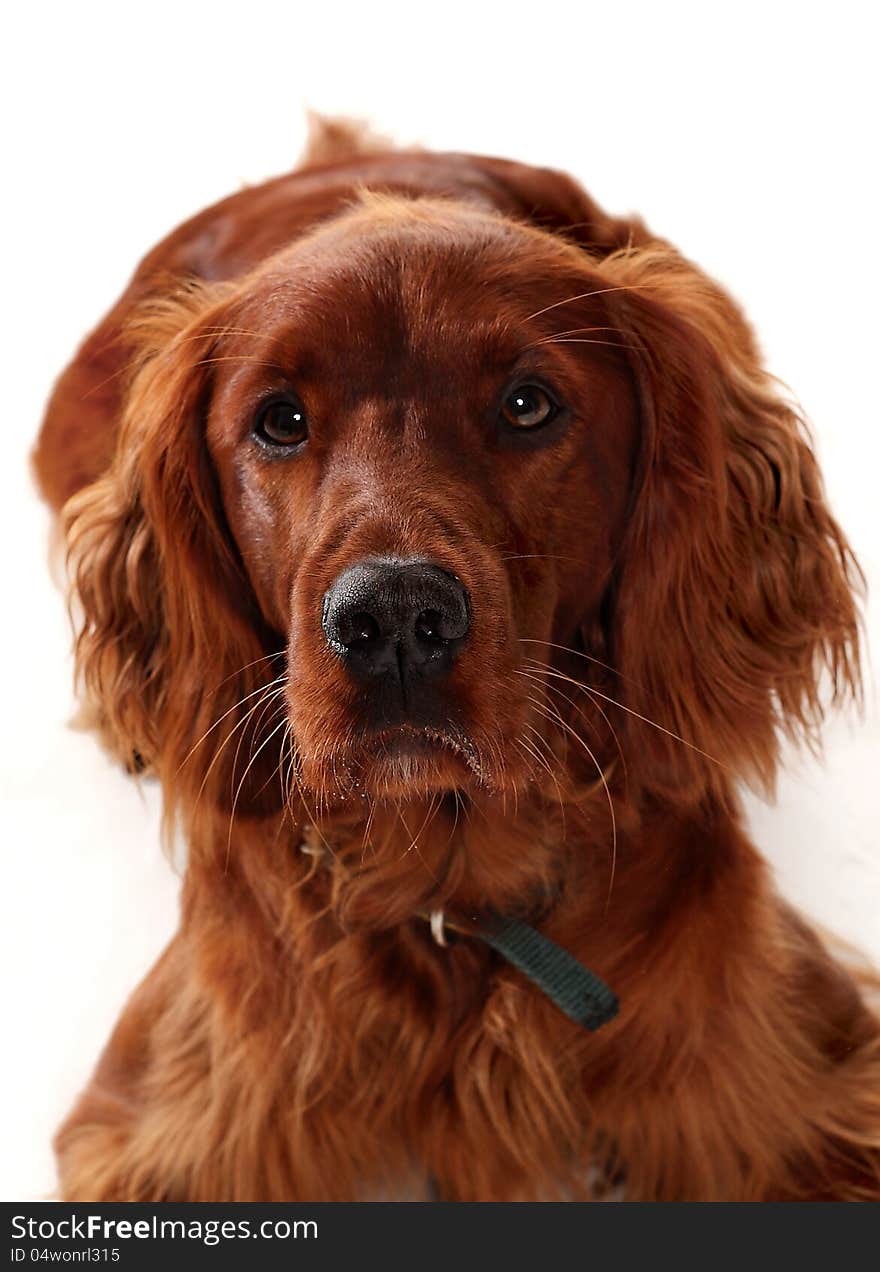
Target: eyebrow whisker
<point x="569" y="300"/>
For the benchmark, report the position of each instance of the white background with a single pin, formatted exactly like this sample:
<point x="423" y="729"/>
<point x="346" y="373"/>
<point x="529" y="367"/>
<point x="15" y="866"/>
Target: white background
<point x="744" y="133"/>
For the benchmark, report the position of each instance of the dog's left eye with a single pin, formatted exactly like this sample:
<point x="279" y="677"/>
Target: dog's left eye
<point x="281" y="423"/>
<point x="528" y="406"/>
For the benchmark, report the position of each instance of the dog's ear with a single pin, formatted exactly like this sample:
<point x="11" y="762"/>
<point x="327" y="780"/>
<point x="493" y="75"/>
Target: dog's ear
<point x="735" y="590"/>
<point x="553" y="201"/>
<point x="162" y="604"/>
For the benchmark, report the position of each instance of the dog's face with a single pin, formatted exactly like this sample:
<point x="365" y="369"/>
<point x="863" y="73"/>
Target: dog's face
<point x="425" y="450"/>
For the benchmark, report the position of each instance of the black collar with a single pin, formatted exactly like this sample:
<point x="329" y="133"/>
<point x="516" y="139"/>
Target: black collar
<point x="573" y="988"/>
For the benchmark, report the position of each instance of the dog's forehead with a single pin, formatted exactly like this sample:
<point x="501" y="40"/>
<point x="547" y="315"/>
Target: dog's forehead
<point x="432" y="282"/>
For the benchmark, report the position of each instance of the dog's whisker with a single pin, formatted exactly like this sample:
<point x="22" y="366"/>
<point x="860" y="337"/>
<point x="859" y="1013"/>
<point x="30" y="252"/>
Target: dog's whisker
<point x="240" y="724"/>
<point x="545" y="760"/>
<point x="559" y="337"/>
<point x="598" y="706"/>
<point x="279" y="710"/>
<point x="208" y="333"/>
<point x="541" y="556"/>
<point x="235" y="800"/>
<point x="591" y="689"/>
<point x="568" y="649"/>
<point x="611" y="344"/>
<point x="425" y="821"/>
<point x="531" y="749"/>
<point x="577" y="331"/>
<point x="218" y="722"/>
<point x="247" y="359"/>
<point x="295" y="783"/>
<point x="552" y="714"/>
<point x="253" y="720"/>
<point x="414" y="841"/>
<point x="586" y="295"/>
<point x="368" y="827"/>
<point x="278" y="653"/>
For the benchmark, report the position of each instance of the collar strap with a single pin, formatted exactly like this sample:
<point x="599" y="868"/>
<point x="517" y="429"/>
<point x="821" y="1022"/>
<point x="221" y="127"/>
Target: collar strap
<point x="573" y="988"/>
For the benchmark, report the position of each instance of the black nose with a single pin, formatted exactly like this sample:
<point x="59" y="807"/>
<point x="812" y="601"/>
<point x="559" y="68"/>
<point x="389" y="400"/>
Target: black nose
<point x="397" y="618"/>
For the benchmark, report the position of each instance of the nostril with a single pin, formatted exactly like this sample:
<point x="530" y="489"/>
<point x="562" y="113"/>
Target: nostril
<point x="429" y="626"/>
<point x="362" y="628"/>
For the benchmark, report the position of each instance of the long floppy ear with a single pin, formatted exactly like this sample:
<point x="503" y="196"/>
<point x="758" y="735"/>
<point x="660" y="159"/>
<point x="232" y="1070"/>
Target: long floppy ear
<point x="165" y="612"/>
<point x="736" y="586"/>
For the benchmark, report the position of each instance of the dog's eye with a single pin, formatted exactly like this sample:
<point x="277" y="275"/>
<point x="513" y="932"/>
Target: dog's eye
<point x="528" y="406"/>
<point x="282" y="423"/>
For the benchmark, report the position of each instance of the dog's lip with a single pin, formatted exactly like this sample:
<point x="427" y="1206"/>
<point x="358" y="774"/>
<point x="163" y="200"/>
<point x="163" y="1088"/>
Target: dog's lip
<point x="433" y="750"/>
<point x="412" y="739"/>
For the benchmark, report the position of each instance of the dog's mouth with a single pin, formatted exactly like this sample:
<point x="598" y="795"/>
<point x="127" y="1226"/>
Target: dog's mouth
<point x="404" y="759"/>
<point x="410" y="756"/>
<point x="413" y="739"/>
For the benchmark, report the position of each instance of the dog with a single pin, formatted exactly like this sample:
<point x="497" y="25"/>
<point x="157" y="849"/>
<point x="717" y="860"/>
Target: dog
<point x="440" y="544"/>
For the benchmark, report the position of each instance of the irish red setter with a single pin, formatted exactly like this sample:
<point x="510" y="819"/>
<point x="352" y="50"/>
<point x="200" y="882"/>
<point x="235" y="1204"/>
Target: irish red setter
<point x="441" y="545"/>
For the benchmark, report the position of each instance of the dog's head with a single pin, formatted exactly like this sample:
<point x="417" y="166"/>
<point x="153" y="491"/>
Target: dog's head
<point x="431" y="487"/>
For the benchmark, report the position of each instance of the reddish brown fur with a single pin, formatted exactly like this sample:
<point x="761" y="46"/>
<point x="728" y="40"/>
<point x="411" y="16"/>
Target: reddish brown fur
<point x="666" y="560"/>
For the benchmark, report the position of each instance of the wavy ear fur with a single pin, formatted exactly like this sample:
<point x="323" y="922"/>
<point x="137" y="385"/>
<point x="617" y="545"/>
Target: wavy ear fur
<point x="736" y="589"/>
<point x="164" y="609"/>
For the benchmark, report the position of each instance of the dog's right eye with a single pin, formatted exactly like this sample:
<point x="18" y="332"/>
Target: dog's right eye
<point x="281" y="423"/>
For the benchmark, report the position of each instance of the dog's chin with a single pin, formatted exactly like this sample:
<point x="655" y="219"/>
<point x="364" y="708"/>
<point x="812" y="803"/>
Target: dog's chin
<point x="403" y="761"/>
<point x="407" y="760"/>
